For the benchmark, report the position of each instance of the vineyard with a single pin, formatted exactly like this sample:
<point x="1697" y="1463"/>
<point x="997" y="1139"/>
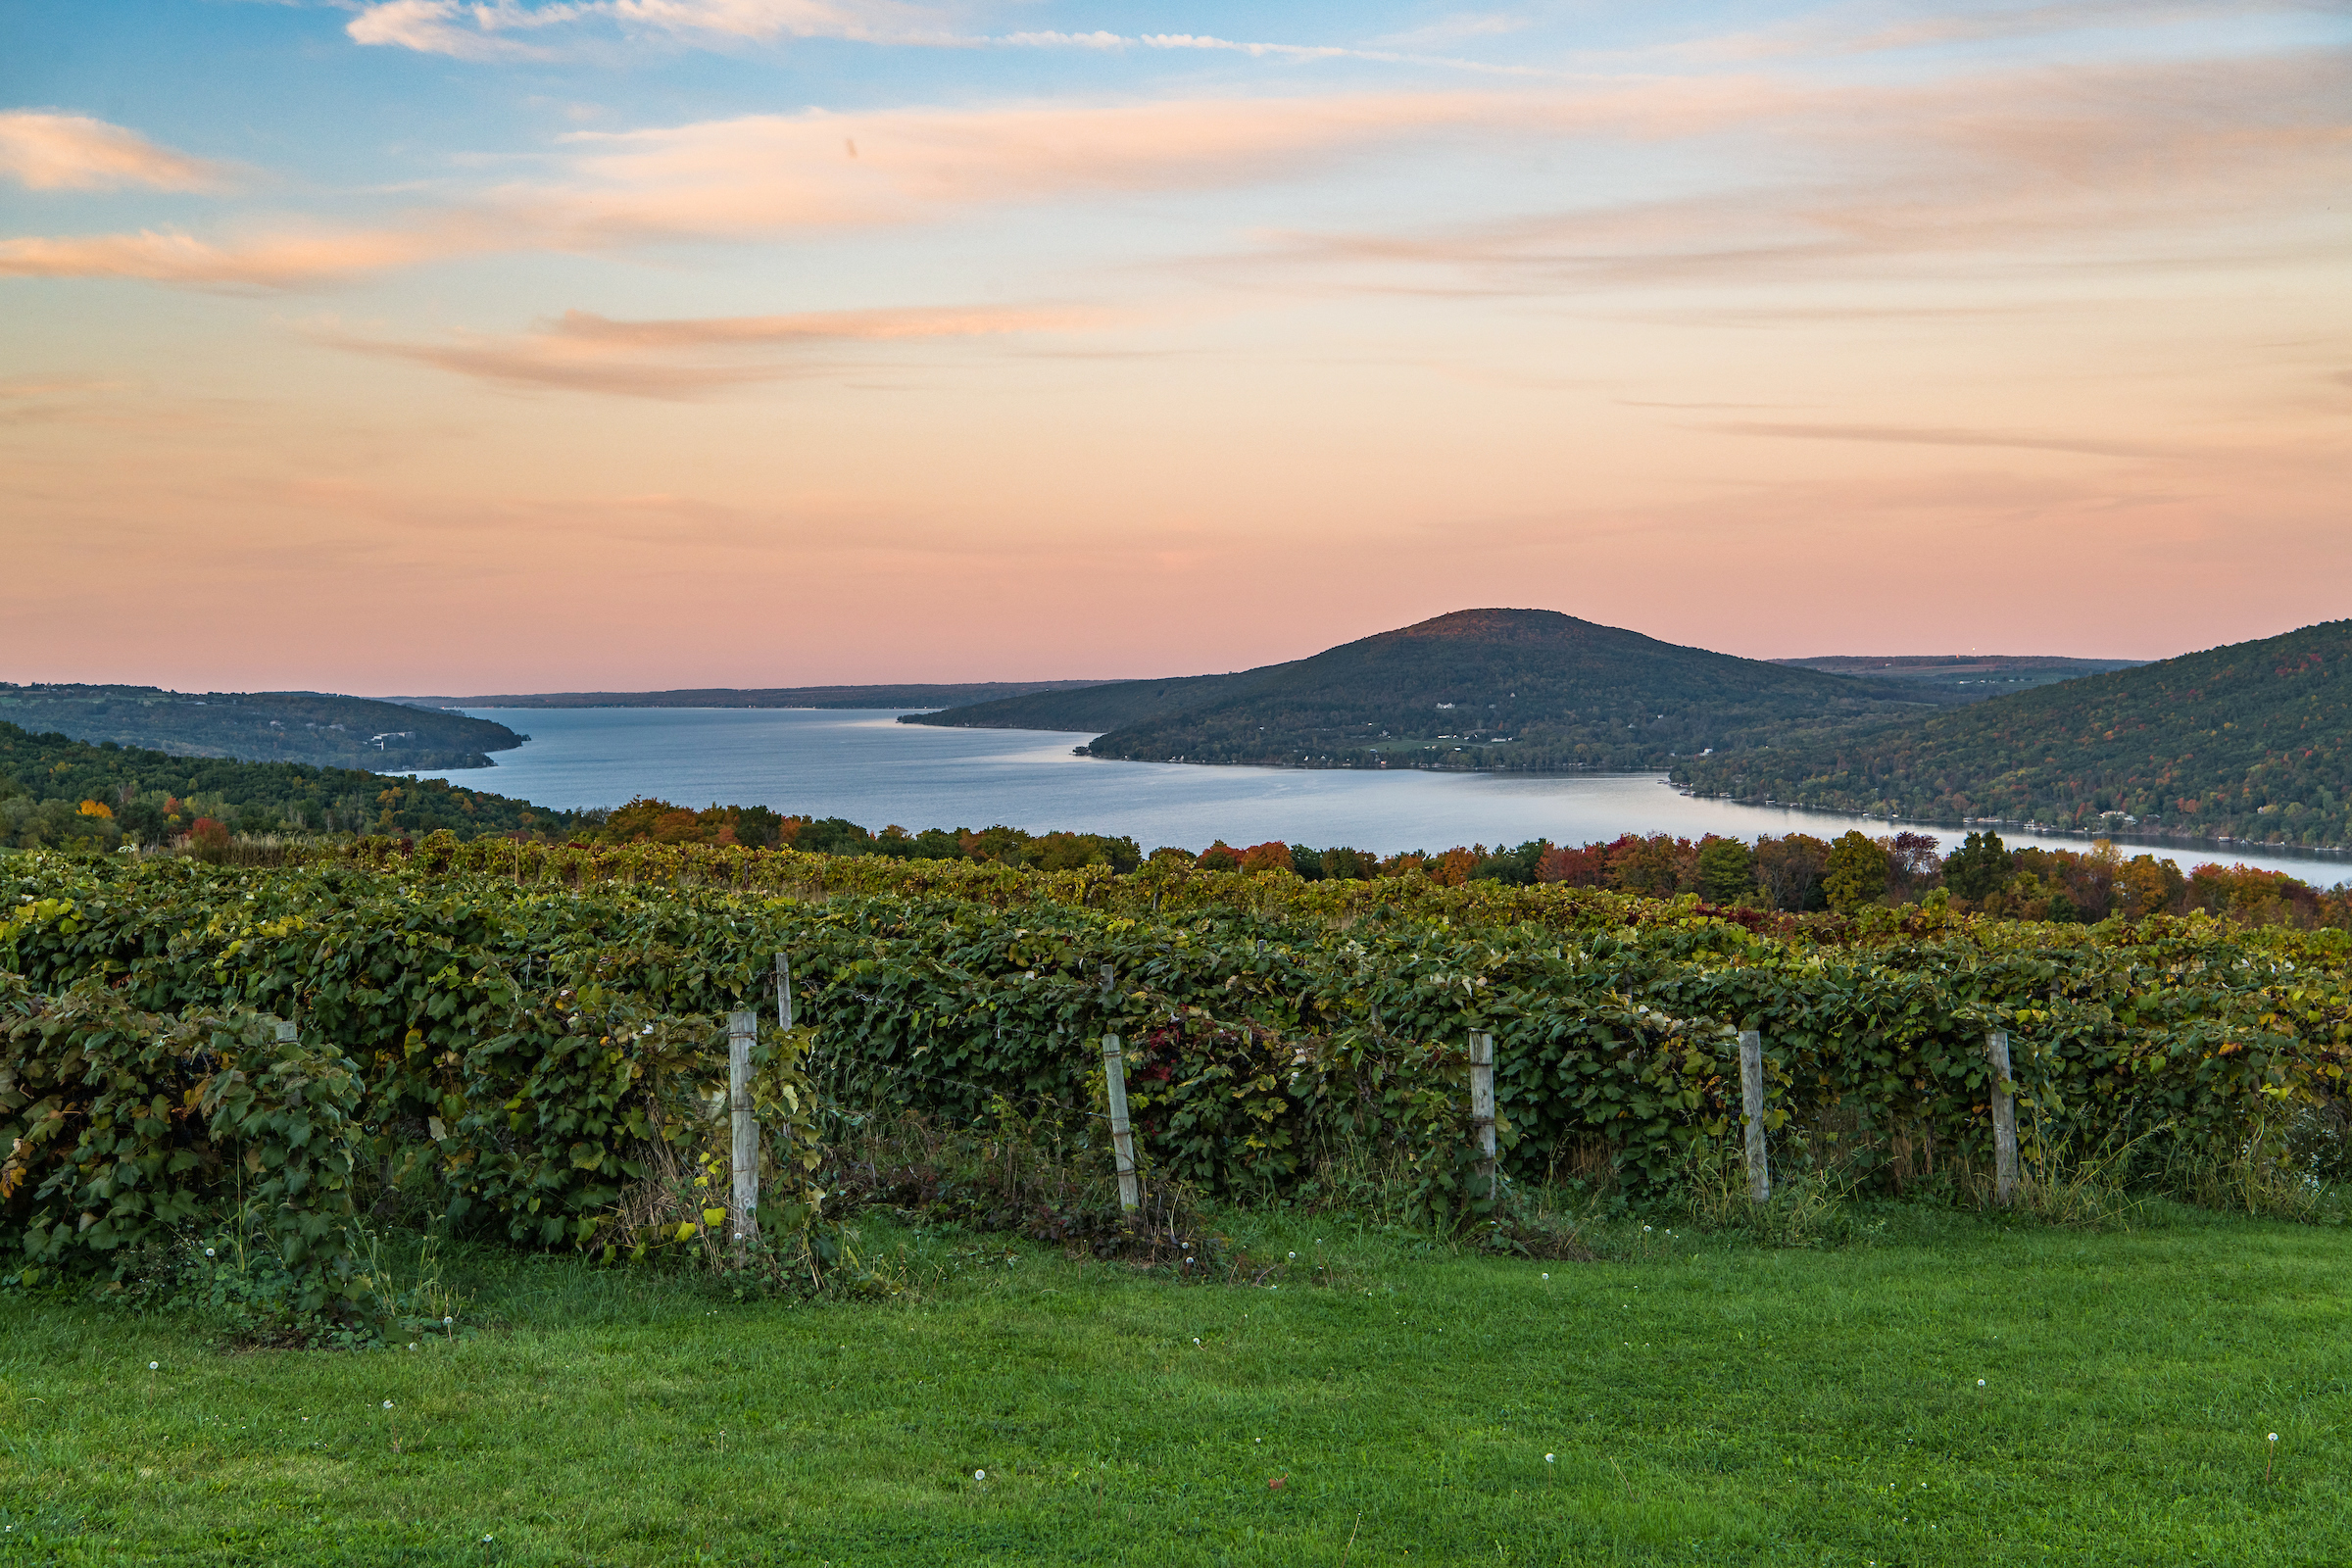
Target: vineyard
<point x="525" y="1039"/>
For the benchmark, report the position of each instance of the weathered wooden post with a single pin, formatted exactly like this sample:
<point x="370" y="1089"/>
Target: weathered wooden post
<point x="742" y="1029"/>
<point x="1751" y="1108"/>
<point x="1123" y="1138"/>
<point x="1482" y="1106"/>
<point x="2004" y="1119"/>
<point x="784" y="991"/>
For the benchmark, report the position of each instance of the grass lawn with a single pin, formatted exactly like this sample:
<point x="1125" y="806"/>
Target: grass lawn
<point x="1704" y="1403"/>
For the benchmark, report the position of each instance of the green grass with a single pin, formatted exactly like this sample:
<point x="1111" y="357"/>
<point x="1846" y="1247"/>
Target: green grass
<point x="1706" y="1403"/>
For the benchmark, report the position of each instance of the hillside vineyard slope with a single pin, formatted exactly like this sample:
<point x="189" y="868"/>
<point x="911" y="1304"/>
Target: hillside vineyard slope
<point x="1528" y="690"/>
<point x="2250" y="741"/>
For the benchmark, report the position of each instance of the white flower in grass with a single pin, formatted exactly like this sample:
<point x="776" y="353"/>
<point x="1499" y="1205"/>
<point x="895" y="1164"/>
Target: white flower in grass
<point x="1979" y="1383"/>
<point x="979" y="1475"/>
<point x="154" y="1366"/>
<point x="387" y="1405"/>
<point x="2273" y="1437"/>
<point x="208" y="1251"/>
<point x="1547" y="1458"/>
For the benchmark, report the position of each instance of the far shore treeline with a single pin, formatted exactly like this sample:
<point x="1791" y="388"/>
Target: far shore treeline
<point x="1794" y="873"/>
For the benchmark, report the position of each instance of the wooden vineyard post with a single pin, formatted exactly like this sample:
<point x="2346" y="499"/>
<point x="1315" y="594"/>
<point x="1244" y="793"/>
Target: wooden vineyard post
<point x="2004" y="1119"/>
<point x="1751" y="1108"/>
<point x="1123" y="1138"/>
<point x="784" y="991"/>
<point x="1482" y="1106"/>
<point x="742" y="1029"/>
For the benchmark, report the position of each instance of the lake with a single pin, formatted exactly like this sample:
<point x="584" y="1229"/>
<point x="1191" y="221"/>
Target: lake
<point x="865" y="766"/>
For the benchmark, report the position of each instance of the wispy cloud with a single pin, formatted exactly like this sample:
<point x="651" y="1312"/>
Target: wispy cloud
<point x="1882" y="29"/>
<point x="2210" y="162"/>
<point x="508" y="30"/>
<point x="769" y="172"/>
<point x="502" y="30"/>
<point x="50" y="150"/>
<point x="698" y="357"/>
<point x="291" y="260"/>
<point x="1936" y="436"/>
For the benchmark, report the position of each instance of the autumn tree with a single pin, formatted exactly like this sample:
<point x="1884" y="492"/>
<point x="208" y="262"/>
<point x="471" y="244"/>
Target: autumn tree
<point x="2145" y="886"/>
<point x="1856" y="872"/>
<point x="1912" y="864"/>
<point x="1789" y="868"/>
<point x="1583" y="867"/>
<point x="1269" y="856"/>
<point x="1453" y="868"/>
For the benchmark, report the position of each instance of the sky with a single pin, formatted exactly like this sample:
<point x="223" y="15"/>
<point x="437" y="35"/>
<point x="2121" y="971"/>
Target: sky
<point x="411" y="346"/>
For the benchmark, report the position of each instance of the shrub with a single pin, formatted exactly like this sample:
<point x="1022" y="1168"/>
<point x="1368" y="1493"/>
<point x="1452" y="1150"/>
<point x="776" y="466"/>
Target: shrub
<point x="125" y="1127"/>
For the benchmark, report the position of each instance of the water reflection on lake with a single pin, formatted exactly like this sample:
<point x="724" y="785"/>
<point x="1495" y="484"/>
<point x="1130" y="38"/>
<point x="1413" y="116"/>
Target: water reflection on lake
<point x="864" y="767"/>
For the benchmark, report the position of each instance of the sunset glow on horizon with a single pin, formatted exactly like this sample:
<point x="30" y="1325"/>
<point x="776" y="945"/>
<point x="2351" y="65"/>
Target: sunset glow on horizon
<point x="413" y="346"/>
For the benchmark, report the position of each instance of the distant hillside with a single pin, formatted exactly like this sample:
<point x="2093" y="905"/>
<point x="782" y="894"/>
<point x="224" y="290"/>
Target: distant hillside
<point x="1518" y="689"/>
<point x="1093" y="708"/>
<point x="1972" y="677"/>
<point x="2249" y="741"/>
<point x="260" y="726"/>
<point x="45" y="779"/>
<point x="902" y="695"/>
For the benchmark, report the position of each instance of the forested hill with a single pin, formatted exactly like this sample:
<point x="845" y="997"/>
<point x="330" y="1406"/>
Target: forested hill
<point x="260" y="726"/>
<point x="1520" y="689"/>
<point x="2248" y="741"/>
<point x="63" y="789"/>
<point x="1095" y="709"/>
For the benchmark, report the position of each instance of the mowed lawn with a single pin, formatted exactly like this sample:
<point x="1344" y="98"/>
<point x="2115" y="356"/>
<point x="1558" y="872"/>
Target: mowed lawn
<point x="1704" y="1403"/>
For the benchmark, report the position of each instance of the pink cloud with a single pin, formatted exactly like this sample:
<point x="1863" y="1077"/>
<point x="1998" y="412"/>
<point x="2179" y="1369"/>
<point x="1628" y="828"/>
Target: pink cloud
<point x="692" y="358"/>
<point x="45" y="150"/>
<point x="286" y="261"/>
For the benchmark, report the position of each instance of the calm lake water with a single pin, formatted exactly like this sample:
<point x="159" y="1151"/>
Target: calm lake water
<point x="865" y="766"/>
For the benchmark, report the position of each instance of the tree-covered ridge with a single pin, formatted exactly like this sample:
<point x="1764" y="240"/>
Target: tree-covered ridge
<point x="1094" y="708"/>
<point x="53" y="789"/>
<point x="2251" y="741"/>
<point x="314" y="727"/>
<point x="1521" y="689"/>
